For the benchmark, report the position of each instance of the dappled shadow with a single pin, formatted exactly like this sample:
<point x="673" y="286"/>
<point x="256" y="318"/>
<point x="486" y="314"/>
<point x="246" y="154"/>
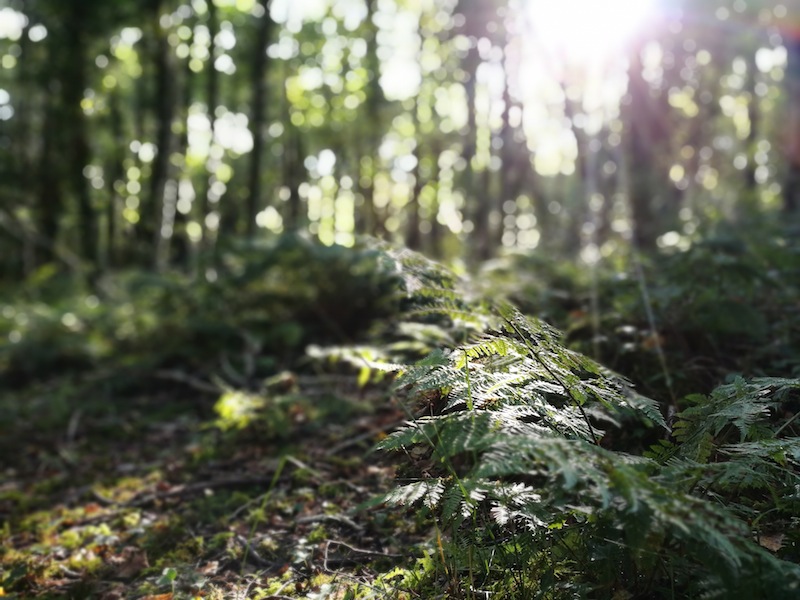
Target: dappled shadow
<point x="190" y="449"/>
<point x="156" y="501"/>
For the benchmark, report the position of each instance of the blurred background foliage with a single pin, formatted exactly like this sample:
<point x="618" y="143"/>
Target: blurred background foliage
<point x="150" y="133"/>
<point x="189" y="175"/>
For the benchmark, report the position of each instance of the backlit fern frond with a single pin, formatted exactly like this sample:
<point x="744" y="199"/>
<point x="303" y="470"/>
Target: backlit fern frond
<point x="517" y="447"/>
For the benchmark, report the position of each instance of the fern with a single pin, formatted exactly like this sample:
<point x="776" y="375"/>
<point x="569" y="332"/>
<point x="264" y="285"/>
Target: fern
<point x="745" y="407"/>
<point x="518" y="465"/>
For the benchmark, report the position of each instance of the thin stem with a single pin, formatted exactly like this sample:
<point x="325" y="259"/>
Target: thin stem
<point x="651" y="323"/>
<point x="560" y="381"/>
<point x="470" y="402"/>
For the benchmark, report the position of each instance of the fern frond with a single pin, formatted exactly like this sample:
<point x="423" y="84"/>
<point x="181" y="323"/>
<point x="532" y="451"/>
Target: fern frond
<point x="518" y="436"/>
<point x="429" y="491"/>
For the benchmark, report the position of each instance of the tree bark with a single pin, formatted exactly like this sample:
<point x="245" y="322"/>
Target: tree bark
<point x="50" y="194"/>
<point x="73" y="84"/>
<point x="162" y="215"/>
<point x="640" y="143"/>
<point x="115" y="170"/>
<point x="791" y="186"/>
<point x="257" y="118"/>
<point x="212" y="101"/>
<point x="373" y="223"/>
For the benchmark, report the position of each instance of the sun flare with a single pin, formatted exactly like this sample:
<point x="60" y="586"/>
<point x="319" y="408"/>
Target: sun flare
<point x="587" y="31"/>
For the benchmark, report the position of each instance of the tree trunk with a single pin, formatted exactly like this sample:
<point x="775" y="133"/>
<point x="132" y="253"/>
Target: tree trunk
<point x="50" y="194"/>
<point x="641" y="165"/>
<point x="73" y="84"/>
<point x="791" y="186"/>
<point x="373" y="223"/>
<point x="20" y="167"/>
<point x="162" y="211"/>
<point x="257" y="119"/>
<point x="212" y="101"/>
<point x="115" y="170"/>
<point x="473" y="209"/>
<point x="183" y="252"/>
<point x="753" y="117"/>
<point x="510" y="174"/>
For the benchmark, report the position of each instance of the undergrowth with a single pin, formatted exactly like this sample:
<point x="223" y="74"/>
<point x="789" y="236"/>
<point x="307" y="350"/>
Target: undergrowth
<point x="538" y="488"/>
<point x="539" y="472"/>
<point x="726" y="304"/>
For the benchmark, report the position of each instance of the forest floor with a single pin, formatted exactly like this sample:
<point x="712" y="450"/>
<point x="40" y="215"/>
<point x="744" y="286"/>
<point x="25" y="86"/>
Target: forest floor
<point x="149" y="497"/>
<point x="174" y="439"/>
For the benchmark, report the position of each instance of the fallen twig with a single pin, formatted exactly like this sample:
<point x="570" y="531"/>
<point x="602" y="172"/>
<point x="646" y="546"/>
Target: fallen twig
<point x="253" y="501"/>
<point x="301" y="465"/>
<point x="252" y="555"/>
<point x="357" y="551"/>
<point x="337" y="518"/>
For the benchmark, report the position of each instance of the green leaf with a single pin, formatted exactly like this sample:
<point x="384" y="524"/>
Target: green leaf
<point x="168" y="576"/>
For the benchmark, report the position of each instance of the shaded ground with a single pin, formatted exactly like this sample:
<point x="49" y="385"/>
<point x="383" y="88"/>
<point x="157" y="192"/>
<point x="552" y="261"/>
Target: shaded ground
<point x="160" y="496"/>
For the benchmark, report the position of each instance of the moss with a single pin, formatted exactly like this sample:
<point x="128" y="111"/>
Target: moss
<point x="185" y="552"/>
<point x="332" y="490"/>
<point x="220" y="540"/>
<point x="318" y="534"/>
<point x="321" y="579"/>
<point x="84" y="560"/>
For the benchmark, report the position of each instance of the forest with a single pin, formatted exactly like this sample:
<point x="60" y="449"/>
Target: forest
<point x="400" y="299"/>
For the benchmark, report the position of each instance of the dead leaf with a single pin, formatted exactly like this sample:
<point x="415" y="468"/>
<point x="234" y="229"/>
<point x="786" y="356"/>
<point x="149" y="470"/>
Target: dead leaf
<point x="91" y="508"/>
<point x="652" y="342"/>
<point x="772" y="541"/>
<point x="210" y="568"/>
<point x="129" y="562"/>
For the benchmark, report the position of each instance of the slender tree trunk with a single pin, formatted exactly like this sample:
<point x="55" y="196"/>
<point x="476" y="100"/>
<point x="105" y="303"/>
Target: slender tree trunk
<point x="291" y="162"/>
<point x="374" y="222"/>
<point x="436" y="241"/>
<point x="509" y="174"/>
<point x="55" y="131"/>
<point x="136" y="235"/>
<point x="474" y="204"/>
<point x="753" y="116"/>
<point x="293" y="176"/>
<point x="73" y="84"/>
<point x="259" y="86"/>
<point x="413" y="236"/>
<point x="50" y="194"/>
<point x="183" y="251"/>
<point x="162" y="209"/>
<point x="609" y="184"/>
<point x="541" y="208"/>
<point x="578" y="214"/>
<point x="22" y="159"/>
<point x="115" y="170"/>
<point x="640" y="149"/>
<point x="791" y="186"/>
<point x="212" y="101"/>
<point x="478" y="16"/>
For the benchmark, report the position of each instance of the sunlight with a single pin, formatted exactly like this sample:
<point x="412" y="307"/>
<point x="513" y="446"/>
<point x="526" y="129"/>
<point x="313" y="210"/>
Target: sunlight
<point x="583" y="32"/>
